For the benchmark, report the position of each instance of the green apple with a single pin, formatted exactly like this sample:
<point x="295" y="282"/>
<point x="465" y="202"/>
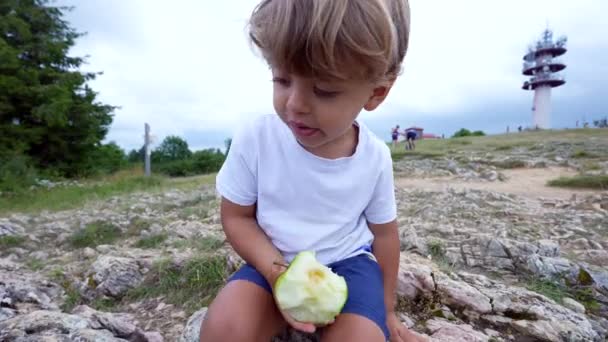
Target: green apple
<point x="309" y="291"/>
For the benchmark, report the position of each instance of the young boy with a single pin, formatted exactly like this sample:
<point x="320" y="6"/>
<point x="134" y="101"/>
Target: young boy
<point x="395" y="136"/>
<point x="313" y="177"/>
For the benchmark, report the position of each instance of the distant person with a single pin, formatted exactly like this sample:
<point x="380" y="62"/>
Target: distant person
<point x="507" y="129"/>
<point x="410" y="137"/>
<point x="313" y="176"/>
<point x="395" y="136"/>
<point x="519" y="128"/>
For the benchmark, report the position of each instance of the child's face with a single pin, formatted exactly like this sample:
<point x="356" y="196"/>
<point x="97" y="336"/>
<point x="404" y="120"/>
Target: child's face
<point x="320" y="113"/>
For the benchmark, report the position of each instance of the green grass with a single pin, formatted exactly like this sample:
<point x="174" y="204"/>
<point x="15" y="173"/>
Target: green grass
<point x="436" y="249"/>
<point x="136" y="225"/>
<point x="74" y="196"/>
<point x="556" y="291"/>
<point x="152" y="241"/>
<point x="190" y="287"/>
<point x="95" y="189"/>
<point x="509" y="164"/>
<point x="597" y="182"/>
<point x="202" y="244"/>
<point x="547" y="288"/>
<point x="400" y="154"/>
<point x="104" y="304"/>
<point x="583" y="154"/>
<point x="505" y="142"/>
<point x="95" y="233"/>
<point x="72" y="296"/>
<point x="35" y="264"/>
<point x="591" y="165"/>
<point x="200" y="210"/>
<point x="9" y="241"/>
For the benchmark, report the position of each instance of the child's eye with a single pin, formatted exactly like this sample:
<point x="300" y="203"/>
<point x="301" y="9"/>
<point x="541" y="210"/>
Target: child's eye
<point x="325" y="93"/>
<point x="281" y="81"/>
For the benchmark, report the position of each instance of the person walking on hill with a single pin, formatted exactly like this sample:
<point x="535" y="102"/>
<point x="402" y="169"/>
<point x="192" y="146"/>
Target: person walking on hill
<point x="410" y="136"/>
<point x="395" y="136"/>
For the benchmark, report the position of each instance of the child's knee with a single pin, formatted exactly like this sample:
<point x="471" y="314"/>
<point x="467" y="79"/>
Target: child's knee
<point x="220" y="325"/>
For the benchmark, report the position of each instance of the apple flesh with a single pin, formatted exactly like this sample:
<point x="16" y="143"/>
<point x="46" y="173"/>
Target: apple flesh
<point x="309" y="291"/>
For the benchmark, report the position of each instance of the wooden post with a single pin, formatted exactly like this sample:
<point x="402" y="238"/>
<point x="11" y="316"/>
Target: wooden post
<point x="147" y="150"/>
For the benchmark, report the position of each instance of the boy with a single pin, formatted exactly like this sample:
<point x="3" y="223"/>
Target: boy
<point x="395" y="136"/>
<point x="313" y="177"/>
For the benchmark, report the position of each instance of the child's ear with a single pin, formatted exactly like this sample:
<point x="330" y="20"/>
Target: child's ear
<point x="379" y="93"/>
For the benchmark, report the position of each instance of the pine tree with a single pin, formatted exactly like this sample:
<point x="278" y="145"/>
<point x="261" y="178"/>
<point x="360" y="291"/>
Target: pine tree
<point x="47" y="111"/>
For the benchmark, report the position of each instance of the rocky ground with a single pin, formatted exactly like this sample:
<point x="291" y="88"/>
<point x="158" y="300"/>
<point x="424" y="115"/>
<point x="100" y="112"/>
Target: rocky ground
<point x="478" y="263"/>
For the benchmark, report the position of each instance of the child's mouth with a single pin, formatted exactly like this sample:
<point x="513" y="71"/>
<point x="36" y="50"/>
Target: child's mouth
<point x="302" y="130"/>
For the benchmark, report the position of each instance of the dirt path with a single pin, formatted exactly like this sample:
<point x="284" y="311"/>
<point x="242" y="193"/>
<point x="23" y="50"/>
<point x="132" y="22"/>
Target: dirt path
<point x="523" y="182"/>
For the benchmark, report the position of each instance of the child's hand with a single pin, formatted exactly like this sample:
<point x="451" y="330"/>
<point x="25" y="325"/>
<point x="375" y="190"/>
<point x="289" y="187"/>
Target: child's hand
<point x="305" y="327"/>
<point x="399" y="333"/>
<point x="277" y="270"/>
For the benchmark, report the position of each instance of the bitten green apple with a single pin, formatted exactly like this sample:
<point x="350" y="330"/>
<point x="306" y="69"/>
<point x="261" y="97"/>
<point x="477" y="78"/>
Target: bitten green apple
<point x="309" y="291"/>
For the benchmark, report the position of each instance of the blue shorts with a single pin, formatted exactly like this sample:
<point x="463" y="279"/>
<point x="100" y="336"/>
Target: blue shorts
<point x="363" y="278"/>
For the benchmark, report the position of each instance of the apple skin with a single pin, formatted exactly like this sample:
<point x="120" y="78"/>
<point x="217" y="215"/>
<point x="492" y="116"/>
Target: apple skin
<point x="309" y="291"/>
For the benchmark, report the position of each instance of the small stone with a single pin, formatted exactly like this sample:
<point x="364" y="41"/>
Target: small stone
<point x="178" y="315"/>
<point x="574" y="305"/>
<point x="32" y="297"/>
<point x="104" y="249"/>
<point x="193" y="327"/>
<point x="160" y="306"/>
<point x="89" y="252"/>
<point x="39" y="255"/>
<point x="153" y="336"/>
<point x="406" y="320"/>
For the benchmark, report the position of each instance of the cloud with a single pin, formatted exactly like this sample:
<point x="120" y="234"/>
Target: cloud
<point x="186" y="67"/>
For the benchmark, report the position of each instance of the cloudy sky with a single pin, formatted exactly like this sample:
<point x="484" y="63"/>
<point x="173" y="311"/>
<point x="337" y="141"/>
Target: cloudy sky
<point x="186" y="68"/>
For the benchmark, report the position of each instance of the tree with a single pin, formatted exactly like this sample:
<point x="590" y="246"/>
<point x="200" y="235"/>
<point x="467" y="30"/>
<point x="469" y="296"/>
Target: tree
<point x="463" y="132"/>
<point x="47" y="110"/>
<point x="135" y="156"/>
<point x="172" y="148"/>
<point x="601" y="123"/>
<point x="228" y="143"/>
<point x="108" y="158"/>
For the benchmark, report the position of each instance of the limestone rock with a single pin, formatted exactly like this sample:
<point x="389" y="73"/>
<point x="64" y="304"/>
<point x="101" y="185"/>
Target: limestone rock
<point x="444" y="331"/>
<point x="414" y="280"/>
<point x="574" y="305"/>
<point x="121" y="325"/>
<point x="19" y="287"/>
<point x="186" y="229"/>
<point x="115" y="275"/>
<point x="7" y="228"/>
<point x="462" y="295"/>
<point x="42" y="321"/>
<point x="192" y="330"/>
<point x="532" y="314"/>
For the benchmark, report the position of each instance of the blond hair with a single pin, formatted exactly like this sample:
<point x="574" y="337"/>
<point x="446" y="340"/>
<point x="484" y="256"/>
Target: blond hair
<point x="342" y="39"/>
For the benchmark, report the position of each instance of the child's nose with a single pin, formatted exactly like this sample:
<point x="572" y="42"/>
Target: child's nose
<point x="298" y="102"/>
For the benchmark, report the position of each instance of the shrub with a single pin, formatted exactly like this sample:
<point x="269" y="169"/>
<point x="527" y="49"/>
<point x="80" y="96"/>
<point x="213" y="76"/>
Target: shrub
<point x="463" y="132"/>
<point x="597" y="182"/>
<point x="16" y="173"/>
<point x="96" y="233"/>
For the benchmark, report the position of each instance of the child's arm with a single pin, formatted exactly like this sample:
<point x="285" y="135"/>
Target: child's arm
<point x="386" y="249"/>
<point x="250" y="242"/>
<point x="248" y="239"/>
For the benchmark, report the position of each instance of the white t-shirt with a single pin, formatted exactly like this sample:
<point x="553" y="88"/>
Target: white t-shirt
<point x="305" y="202"/>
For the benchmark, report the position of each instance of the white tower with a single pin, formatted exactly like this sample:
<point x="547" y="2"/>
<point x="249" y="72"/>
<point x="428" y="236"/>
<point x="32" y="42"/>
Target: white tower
<point x="539" y="63"/>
